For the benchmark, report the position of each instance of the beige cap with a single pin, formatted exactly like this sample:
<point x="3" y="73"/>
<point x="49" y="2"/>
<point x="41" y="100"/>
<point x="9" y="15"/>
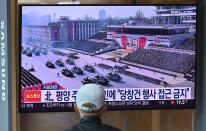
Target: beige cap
<point x="91" y="94"/>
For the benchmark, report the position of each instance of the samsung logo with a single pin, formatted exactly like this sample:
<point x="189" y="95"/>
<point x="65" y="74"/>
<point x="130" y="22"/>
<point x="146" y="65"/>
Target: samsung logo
<point x="3" y="62"/>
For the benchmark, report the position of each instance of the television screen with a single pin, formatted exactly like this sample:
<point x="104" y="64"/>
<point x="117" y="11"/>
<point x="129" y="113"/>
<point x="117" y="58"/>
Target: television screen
<point x="143" y="56"/>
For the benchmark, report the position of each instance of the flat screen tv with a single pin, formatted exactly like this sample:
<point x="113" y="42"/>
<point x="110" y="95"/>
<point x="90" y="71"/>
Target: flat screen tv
<point x="143" y="56"/>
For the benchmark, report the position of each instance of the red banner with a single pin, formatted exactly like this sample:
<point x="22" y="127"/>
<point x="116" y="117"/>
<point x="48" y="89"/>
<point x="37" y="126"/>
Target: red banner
<point x="70" y="31"/>
<point x="142" y="42"/>
<point x="55" y="33"/>
<point x="77" y="30"/>
<point x="124" y="41"/>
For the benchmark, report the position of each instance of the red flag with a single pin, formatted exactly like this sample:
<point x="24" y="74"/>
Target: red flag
<point x="124" y="41"/>
<point x="55" y="33"/>
<point x="142" y="42"/>
<point x="70" y="31"/>
<point x="77" y="30"/>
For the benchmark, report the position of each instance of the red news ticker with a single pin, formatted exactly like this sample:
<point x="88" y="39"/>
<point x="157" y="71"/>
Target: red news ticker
<point x="32" y="96"/>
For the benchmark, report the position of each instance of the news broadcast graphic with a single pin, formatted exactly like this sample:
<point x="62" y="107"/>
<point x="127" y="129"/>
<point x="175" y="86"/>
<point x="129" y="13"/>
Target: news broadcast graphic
<point x="143" y="56"/>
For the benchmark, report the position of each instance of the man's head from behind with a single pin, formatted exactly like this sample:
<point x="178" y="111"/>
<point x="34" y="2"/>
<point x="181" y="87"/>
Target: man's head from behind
<point x="90" y="100"/>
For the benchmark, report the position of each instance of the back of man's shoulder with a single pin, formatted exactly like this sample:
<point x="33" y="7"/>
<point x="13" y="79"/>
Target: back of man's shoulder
<point x="110" y="128"/>
<point x="72" y="128"/>
<point x="104" y="128"/>
<point x="101" y="127"/>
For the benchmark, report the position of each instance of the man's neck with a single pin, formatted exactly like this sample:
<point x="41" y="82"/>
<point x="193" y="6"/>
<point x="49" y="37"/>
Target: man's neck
<point x="89" y="114"/>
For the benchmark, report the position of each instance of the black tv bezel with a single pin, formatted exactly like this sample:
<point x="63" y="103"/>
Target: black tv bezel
<point x="197" y="59"/>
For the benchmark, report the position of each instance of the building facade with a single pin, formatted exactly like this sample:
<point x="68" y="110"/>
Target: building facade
<point x="64" y="30"/>
<point x="142" y="36"/>
<point x="175" y="15"/>
<point x="67" y="30"/>
<point x="34" y="33"/>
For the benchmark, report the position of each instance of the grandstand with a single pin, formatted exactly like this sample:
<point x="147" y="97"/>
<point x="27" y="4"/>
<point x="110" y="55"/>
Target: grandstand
<point x="88" y="46"/>
<point x="189" y="44"/>
<point x="173" y="61"/>
<point x="142" y="36"/>
<point x="100" y="35"/>
<point x="27" y="79"/>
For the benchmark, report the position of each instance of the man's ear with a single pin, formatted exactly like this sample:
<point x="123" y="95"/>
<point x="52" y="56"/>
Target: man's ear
<point x="105" y="107"/>
<point x="75" y="108"/>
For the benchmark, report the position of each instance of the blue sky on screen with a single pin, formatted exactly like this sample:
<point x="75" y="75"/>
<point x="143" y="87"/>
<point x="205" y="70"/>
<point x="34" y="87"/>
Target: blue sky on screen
<point x="80" y="11"/>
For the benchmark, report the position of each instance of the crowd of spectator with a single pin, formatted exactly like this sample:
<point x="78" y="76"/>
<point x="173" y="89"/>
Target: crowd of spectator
<point x="31" y="82"/>
<point x="88" y="46"/>
<point x="173" y="61"/>
<point x="99" y="36"/>
<point x="27" y="79"/>
<point x="189" y="44"/>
